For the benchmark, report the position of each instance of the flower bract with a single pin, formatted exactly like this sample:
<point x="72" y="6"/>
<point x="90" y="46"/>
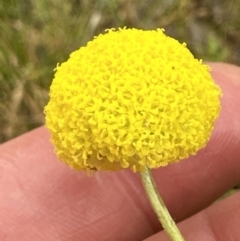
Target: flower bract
<point x="131" y="98"/>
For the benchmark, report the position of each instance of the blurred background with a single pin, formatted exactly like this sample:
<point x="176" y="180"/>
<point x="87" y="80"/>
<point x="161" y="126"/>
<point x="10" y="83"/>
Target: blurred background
<point x="36" y="35"/>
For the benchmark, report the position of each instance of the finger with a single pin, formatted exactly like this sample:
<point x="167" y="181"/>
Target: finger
<point x="219" y="222"/>
<point x="42" y="198"/>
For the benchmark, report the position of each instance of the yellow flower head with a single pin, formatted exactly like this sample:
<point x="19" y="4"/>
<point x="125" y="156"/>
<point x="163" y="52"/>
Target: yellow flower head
<point x="129" y="99"/>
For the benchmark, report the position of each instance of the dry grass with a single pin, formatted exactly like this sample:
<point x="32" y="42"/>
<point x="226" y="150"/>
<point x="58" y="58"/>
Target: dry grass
<point x="36" y="35"/>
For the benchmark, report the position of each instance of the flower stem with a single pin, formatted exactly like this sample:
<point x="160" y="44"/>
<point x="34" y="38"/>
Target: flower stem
<point x="159" y="207"/>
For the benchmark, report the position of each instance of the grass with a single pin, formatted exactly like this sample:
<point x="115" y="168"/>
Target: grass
<point x="36" y="35"/>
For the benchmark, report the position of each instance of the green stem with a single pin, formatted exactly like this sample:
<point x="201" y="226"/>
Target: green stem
<point x="159" y="207"/>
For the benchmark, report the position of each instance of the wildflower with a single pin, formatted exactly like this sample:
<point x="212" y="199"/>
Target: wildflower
<point x="131" y="99"/>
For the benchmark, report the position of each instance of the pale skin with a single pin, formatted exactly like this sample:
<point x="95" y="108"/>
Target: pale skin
<point x="42" y="199"/>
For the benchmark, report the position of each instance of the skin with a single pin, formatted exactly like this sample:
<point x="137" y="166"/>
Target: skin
<point x="42" y="199"/>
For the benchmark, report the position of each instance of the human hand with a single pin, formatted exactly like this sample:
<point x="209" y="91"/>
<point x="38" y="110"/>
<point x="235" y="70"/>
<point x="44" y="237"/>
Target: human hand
<point x="42" y="199"/>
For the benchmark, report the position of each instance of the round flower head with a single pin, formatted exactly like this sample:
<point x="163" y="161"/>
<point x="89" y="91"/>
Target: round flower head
<point x="130" y="99"/>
